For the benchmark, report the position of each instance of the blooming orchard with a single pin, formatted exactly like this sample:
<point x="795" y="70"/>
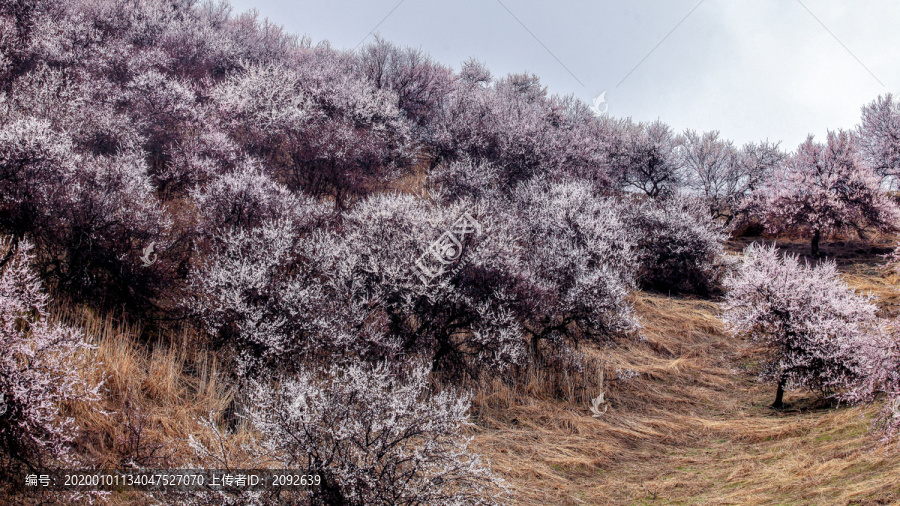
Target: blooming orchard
<point x="288" y="190"/>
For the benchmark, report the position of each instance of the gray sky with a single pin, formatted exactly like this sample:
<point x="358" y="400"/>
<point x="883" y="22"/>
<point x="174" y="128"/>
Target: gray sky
<point x="752" y="69"/>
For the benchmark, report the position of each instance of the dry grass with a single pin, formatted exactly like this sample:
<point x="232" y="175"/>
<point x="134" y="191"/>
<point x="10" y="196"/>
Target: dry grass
<point x="694" y="427"/>
<point x="689" y="426"/>
<point x="413" y="182"/>
<point x="154" y="397"/>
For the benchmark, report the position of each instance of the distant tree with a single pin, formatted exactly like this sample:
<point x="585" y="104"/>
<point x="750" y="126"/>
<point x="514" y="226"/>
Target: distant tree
<point x="504" y="123"/>
<point x="646" y="160"/>
<point x="756" y="162"/>
<point x="723" y="174"/>
<point x="823" y="189"/>
<point x="524" y="86"/>
<point x="879" y="136"/>
<point x="207" y="41"/>
<point x="421" y="84"/>
<point x="513" y="124"/>
<point x="474" y="72"/>
<point x="582" y="143"/>
<point x="712" y="169"/>
<point x="811" y="324"/>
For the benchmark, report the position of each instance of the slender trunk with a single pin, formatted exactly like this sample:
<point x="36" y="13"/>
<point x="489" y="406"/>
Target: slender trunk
<point x="814" y="245"/>
<point x="442" y="351"/>
<point x="339" y="199"/>
<point x="779" y="394"/>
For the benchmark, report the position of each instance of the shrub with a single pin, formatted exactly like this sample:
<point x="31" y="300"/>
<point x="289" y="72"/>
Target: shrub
<point x="458" y="320"/>
<point x="680" y="246"/>
<point x="879" y="366"/>
<point x="879" y="359"/>
<point x="275" y="293"/>
<point x="421" y="84"/>
<point x="42" y="366"/>
<point x="319" y="129"/>
<point x="107" y="217"/>
<point x="570" y="261"/>
<point x="512" y="124"/>
<point x="196" y="161"/>
<point x="84" y="104"/>
<point x="574" y="264"/>
<point x="552" y="257"/>
<point x="164" y="111"/>
<point x="260" y="293"/>
<point x="17" y="26"/>
<point x="465" y="179"/>
<point x="91" y="216"/>
<point x="36" y="162"/>
<point x="206" y="41"/>
<point x="375" y="436"/>
<point x="809" y="321"/>
<point x="247" y="198"/>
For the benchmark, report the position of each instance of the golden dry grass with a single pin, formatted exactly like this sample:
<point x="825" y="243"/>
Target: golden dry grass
<point x="154" y="397"/>
<point x="694" y="427"/>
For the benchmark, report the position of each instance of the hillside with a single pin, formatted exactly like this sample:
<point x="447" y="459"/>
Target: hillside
<point x="227" y="250"/>
<point x="687" y="421"/>
<point x="694" y="427"/>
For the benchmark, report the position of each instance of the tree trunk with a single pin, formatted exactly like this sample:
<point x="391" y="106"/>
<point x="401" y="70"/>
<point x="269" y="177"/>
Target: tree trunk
<point x="814" y="245"/>
<point x="779" y="394"/>
<point x="536" y="348"/>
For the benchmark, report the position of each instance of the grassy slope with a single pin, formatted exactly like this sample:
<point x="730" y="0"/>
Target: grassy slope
<point x="694" y="427"/>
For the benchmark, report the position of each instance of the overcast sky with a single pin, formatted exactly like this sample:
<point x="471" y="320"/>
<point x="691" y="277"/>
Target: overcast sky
<point x="752" y="69"/>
